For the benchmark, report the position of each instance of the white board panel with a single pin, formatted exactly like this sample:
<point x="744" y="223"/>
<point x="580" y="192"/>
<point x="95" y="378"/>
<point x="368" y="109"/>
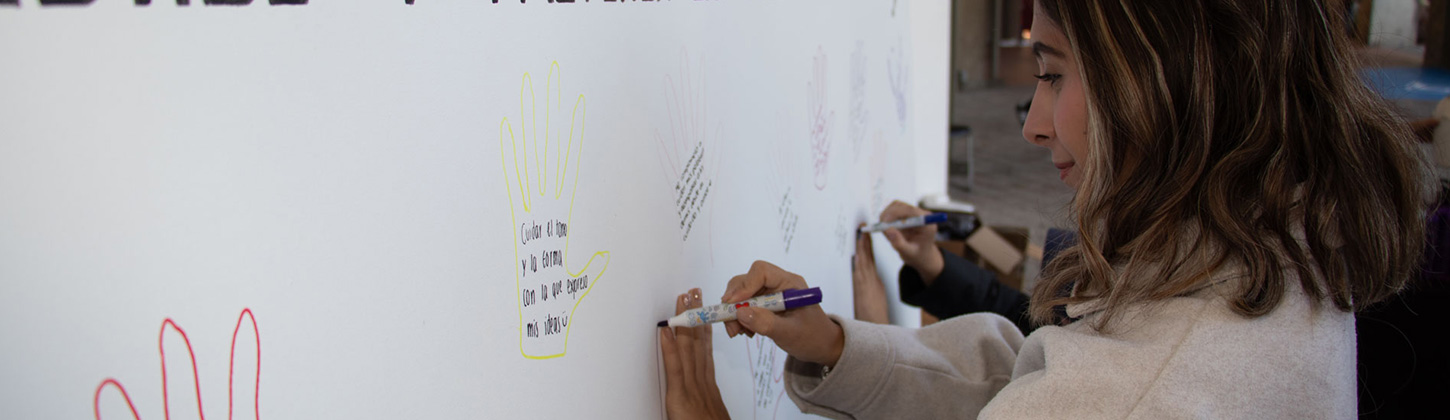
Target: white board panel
<point x="328" y="210"/>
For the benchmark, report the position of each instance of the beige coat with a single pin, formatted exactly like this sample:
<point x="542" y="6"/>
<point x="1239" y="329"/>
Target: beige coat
<point x="1188" y="357"/>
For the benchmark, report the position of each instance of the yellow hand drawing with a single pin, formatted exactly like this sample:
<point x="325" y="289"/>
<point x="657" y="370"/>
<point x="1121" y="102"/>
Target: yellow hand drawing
<point x="541" y="170"/>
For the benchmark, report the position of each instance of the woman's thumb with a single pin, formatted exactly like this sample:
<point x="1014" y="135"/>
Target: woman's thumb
<point x="894" y="236"/>
<point x="759" y="320"/>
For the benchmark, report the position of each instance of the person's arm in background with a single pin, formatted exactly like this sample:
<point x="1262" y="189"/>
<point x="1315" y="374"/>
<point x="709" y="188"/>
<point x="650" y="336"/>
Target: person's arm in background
<point x="960" y="288"/>
<point x="943" y="284"/>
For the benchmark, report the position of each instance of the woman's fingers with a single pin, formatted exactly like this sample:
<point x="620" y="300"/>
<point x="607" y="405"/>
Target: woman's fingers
<point x="735" y="283"/>
<point x="691" y="392"/>
<point x="674" y="374"/>
<point x="732" y="328"/>
<point x="856" y="258"/>
<point x="864" y="246"/>
<point x="864" y="253"/>
<point x="869" y="293"/>
<point x="760" y="321"/>
<point x="746" y="285"/>
<point x="762" y="278"/>
<point x="898" y="210"/>
<point x="709" y="360"/>
<point x="806" y="333"/>
<point x="907" y="242"/>
<point x="702" y="339"/>
<point x="897" y="240"/>
<point x="685" y="342"/>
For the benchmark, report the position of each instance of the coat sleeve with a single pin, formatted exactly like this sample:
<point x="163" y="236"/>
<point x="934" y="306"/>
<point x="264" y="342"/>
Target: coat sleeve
<point x="894" y="372"/>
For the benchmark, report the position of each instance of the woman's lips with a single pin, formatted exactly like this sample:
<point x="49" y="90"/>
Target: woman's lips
<point x="1062" y="169"/>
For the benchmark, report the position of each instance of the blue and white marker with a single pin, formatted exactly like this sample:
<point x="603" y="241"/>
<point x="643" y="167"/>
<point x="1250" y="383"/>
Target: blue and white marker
<point x="911" y="222"/>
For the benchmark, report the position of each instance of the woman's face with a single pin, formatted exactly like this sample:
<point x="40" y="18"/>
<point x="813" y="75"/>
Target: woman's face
<point x="1058" y="118"/>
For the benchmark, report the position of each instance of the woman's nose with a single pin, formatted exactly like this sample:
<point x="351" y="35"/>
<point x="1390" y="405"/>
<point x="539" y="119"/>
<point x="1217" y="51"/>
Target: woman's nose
<point x="1037" y="129"/>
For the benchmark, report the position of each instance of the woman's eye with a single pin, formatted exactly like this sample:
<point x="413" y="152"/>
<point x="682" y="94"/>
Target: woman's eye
<point x="1048" y="77"/>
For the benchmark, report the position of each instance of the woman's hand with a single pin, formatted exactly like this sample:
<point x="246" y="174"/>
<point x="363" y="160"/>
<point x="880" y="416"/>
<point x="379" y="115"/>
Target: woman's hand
<point x="690" y="390"/>
<point x="917" y="245"/>
<point x="870" y="293"/>
<point x="805" y="333"/>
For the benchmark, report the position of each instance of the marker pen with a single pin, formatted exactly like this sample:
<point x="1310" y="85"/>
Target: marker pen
<point x="785" y="300"/>
<point x="910" y="222"/>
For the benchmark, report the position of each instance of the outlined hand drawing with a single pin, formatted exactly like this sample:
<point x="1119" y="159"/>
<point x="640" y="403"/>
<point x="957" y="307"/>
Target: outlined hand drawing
<point x="860" y="116"/>
<point x="900" y="81"/>
<point x="821" y="120"/>
<point x="781" y="190"/>
<point x="195" y="389"/>
<point x="691" y="151"/>
<point x="541" y="162"/>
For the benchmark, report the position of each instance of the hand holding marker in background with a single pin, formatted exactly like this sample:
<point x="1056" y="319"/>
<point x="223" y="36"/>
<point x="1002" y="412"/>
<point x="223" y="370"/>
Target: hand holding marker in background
<point x="907" y="223"/>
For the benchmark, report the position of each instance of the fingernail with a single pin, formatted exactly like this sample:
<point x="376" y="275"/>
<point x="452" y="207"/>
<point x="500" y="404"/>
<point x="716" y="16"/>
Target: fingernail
<point x="695" y="293"/>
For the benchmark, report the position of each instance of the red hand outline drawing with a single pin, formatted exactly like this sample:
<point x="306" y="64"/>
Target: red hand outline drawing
<point x="165" y="398"/>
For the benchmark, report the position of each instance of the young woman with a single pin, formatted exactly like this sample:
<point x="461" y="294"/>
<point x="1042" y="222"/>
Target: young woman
<point x="1238" y="193"/>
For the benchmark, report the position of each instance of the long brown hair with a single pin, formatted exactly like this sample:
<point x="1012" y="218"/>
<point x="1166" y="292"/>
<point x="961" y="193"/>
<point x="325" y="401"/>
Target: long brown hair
<point x="1219" y="130"/>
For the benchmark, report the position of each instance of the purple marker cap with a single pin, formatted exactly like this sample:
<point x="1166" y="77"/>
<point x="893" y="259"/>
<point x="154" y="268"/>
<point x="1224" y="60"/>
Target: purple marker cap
<point x="797" y="298"/>
<point x="935" y="218"/>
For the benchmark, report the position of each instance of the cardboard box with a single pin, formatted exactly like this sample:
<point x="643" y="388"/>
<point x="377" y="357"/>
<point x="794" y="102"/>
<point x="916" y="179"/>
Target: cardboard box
<point x="1001" y="249"/>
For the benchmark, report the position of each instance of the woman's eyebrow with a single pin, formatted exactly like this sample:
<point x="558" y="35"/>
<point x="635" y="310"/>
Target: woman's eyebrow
<point x="1039" y="49"/>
